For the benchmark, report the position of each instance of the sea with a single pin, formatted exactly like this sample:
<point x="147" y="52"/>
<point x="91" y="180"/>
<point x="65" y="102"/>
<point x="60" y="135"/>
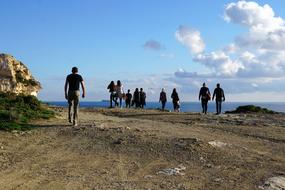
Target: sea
<point x="184" y="106"/>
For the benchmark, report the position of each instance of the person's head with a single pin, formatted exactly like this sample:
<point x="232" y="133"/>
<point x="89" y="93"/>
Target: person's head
<point x="141" y="89"/>
<point x="112" y="83"/>
<point x="118" y="82"/>
<point x="218" y="85"/>
<point x="204" y="84"/>
<point x="137" y="89"/>
<point x="129" y="90"/>
<point x="162" y="90"/>
<point x="74" y="70"/>
<point x="174" y="89"/>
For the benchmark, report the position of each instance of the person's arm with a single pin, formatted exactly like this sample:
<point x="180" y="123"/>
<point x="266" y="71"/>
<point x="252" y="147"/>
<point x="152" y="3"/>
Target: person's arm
<point x="200" y="93"/>
<point x="224" y="98"/>
<point x="214" y="94"/>
<point x="65" y="89"/>
<point x="83" y="89"/>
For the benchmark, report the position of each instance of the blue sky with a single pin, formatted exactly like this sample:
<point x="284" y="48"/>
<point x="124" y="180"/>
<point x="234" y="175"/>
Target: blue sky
<point x="148" y="44"/>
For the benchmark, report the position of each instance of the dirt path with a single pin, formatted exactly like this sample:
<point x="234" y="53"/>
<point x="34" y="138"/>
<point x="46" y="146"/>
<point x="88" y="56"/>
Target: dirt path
<point x="118" y="149"/>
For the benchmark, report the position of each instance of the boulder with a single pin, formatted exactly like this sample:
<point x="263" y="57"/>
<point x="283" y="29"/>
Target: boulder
<point x="16" y="78"/>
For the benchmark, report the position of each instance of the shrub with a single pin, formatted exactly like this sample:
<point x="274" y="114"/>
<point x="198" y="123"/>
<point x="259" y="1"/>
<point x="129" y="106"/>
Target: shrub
<point x="17" y="110"/>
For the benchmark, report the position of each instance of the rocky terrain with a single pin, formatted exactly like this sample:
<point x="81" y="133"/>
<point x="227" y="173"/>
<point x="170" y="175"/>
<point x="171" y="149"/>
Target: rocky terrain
<point x="16" y="78"/>
<point x="135" y="149"/>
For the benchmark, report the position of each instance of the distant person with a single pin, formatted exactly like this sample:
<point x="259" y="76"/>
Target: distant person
<point x="162" y="99"/>
<point x="142" y="98"/>
<point x="128" y="99"/>
<point x="136" y="98"/>
<point x="119" y="93"/>
<point x="204" y="96"/>
<point x="175" y="100"/>
<point x="72" y="93"/>
<point x="220" y="97"/>
<point x="112" y="91"/>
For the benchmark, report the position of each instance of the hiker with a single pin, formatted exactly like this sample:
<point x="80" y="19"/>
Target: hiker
<point x="175" y="100"/>
<point x="128" y="99"/>
<point x="111" y="88"/>
<point x="72" y="93"/>
<point x="142" y="98"/>
<point x="162" y="99"/>
<point x="119" y="93"/>
<point x="136" y="98"/>
<point x="220" y="97"/>
<point x="204" y="96"/>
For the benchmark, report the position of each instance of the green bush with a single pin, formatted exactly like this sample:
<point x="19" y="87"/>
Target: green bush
<point x="17" y="110"/>
<point x="251" y="109"/>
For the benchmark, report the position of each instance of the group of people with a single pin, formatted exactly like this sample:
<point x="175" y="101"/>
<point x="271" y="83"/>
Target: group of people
<point x="204" y="97"/>
<point x="137" y="99"/>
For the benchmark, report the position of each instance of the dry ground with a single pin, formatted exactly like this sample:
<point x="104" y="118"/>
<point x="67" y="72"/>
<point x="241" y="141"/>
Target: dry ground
<point x="126" y="149"/>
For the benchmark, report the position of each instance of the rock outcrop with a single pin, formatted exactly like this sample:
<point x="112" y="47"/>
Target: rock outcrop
<point x="15" y="77"/>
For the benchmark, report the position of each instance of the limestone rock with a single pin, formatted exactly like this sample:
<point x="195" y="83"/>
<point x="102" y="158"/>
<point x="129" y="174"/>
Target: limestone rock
<point x="15" y="77"/>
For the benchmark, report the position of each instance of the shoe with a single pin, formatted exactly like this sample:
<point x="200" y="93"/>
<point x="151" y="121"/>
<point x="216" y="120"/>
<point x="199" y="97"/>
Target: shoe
<point x="75" y="124"/>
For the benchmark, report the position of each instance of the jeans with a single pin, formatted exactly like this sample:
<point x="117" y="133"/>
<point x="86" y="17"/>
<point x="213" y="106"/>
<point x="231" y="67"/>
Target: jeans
<point x="218" y="106"/>
<point x="163" y="104"/>
<point x="73" y="104"/>
<point x="204" y="103"/>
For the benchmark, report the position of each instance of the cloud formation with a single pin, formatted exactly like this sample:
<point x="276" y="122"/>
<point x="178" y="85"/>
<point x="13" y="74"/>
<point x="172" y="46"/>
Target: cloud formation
<point x="153" y="45"/>
<point x="254" y="61"/>
<point x="190" y="38"/>
<point x="259" y="52"/>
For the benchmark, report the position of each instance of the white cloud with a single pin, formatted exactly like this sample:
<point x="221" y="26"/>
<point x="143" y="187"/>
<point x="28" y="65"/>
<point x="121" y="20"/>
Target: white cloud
<point x="191" y="39"/>
<point x="220" y="63"/>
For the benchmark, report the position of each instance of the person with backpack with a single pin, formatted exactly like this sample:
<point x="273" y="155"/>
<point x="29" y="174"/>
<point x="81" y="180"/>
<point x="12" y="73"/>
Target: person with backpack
<point x="162" y="99"/>
<point x="220" y="97"/>
<point x="204" y="96"/>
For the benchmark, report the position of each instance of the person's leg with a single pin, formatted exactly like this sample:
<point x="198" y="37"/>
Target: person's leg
<point x="111" y="100"/>
<point x="217" y="107"/>
<point x="70" y="103"/>
<point x="206" y="106"/>
<point x="163" y="105"/>
<point x="220" y="107"/>
<point x="203" y="106"/>
<point x="121" y="102"/>
<point x="75" y="107"/>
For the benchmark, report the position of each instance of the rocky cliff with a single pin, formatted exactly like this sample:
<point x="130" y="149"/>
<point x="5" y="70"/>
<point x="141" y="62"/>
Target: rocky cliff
<point x="15" y="77"/>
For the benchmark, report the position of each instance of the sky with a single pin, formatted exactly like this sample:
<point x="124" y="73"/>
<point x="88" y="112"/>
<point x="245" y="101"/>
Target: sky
<point x="150" y="44"/>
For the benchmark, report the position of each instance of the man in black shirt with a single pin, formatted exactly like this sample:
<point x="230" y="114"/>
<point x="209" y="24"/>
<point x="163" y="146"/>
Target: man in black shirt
<point x="204" y="96"/>
<point x="128" y="99"/>
<point x="72" y="83"/>
<point x="220" y="97"/>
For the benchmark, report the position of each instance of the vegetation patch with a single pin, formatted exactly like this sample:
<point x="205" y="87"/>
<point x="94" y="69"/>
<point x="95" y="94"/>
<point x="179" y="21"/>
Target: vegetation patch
<point x="17" y="110"/>
<point x="251" y="109"/>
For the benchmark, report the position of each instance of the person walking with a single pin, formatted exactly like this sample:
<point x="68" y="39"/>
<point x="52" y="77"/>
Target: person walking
<point x="220" y="97"/>
<point x="72" y="93"/>
<point x="128" y="99"/>
<point x="119" y="93"/>
<point x="162" y="99"/>
<point x="136" y="98"/>
<point x="175" y="100"/>
<point x="204" y="96"/>
<point x="142" y="98"/>
<point x="111" y="88"/>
